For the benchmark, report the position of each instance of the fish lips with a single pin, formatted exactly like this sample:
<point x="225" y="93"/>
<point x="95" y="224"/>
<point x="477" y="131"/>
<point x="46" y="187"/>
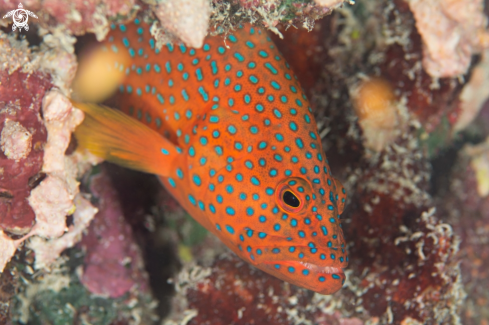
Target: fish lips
<point x="323" y="279"/>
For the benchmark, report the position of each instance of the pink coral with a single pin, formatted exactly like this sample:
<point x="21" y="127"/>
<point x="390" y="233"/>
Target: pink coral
<point x="452" y="31"/>
<point x="113" y="264"/>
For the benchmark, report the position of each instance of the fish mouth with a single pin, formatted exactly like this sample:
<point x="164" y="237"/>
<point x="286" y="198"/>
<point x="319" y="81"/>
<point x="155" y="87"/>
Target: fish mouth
<point x="322" y="269"/>
<point x="324" y="280"/>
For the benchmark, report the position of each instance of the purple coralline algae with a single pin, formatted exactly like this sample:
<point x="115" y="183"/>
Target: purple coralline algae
<point x="113" y="264"/>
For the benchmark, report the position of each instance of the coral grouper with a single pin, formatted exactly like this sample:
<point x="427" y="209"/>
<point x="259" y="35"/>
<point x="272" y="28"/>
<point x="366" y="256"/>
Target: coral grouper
<point x="232" y="137"/>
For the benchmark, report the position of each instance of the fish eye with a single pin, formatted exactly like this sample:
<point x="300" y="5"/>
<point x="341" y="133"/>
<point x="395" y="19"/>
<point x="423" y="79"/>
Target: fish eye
<point x="290" y="199"/>
<point x="291" y="194"/>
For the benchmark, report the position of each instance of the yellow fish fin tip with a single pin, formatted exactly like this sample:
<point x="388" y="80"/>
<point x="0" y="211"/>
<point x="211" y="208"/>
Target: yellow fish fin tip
<point x="120" y="139"/>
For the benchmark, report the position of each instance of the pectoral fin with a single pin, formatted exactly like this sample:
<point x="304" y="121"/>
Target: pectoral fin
<point x="118" y="138"/>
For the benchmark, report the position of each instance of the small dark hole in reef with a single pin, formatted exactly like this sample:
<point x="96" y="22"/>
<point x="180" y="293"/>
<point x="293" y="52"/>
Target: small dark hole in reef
<point x="139" y="194"/>
<point x="12" y="236"/>
<point x="6" y="195"/>
<point x="69" y="220"/>
<point x="444" y="162"/>
<point x="7" y="288"/>
<point x="35" y="180"/>
<point x="83" y="41"/>
<point x="72" y="145"/>
<point x="31" y="36"/>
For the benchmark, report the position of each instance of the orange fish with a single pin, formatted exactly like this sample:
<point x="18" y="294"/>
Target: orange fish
<point x="233" y="139"/>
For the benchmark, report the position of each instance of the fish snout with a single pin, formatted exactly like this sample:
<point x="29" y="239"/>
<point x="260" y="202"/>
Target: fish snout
<point x="317" y="268"/>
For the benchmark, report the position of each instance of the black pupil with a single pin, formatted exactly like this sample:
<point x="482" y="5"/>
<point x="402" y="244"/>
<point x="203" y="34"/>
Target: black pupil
<point x="290" y="199"/>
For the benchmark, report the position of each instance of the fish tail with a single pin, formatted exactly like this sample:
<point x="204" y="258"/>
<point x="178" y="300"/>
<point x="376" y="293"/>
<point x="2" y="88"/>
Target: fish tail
<point x="340" y="190"/>
<point x="120" y="139"/>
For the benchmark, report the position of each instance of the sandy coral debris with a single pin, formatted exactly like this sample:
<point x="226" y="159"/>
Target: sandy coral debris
<point x="452" y="31"/>
<point x="15" y="140"/>
<point x="53" y="198"/>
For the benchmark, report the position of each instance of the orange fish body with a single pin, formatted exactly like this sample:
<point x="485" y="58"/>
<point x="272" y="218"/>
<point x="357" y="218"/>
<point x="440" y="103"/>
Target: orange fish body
<point x="237" y="147"/>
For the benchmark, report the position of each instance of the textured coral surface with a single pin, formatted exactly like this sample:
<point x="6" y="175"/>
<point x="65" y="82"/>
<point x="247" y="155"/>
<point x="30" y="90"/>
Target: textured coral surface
<point x="20" y="101"/>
